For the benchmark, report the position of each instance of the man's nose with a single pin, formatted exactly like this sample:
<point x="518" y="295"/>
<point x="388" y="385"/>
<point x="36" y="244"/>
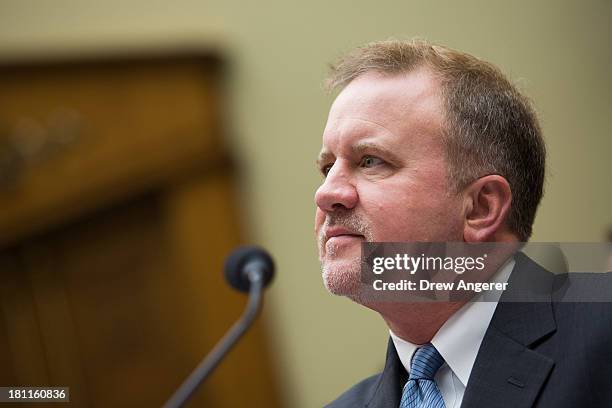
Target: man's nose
<point x="337" y="192"/>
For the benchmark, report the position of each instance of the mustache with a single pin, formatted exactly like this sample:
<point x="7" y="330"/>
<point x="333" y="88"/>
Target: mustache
<point x="348" y="220"/>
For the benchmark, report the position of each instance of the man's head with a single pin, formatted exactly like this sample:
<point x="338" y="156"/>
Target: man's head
<point x="423" y="143"/>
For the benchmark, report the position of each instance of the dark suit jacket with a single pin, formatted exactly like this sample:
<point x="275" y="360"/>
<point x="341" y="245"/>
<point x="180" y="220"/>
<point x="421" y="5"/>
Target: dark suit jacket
<point x="542" y="353"/>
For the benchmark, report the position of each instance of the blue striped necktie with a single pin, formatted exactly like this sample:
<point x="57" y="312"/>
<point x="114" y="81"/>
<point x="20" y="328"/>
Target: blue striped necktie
<point x="421" y="390"/>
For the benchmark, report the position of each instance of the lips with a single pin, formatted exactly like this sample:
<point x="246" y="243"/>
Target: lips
<point x="341" y="232"/>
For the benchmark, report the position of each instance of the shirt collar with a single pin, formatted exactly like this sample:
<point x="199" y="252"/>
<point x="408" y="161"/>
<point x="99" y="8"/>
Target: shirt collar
<point x="459" y="338"/>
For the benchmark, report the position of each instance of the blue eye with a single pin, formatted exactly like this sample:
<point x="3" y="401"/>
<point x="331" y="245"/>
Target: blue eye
<point x="371" y="161"/>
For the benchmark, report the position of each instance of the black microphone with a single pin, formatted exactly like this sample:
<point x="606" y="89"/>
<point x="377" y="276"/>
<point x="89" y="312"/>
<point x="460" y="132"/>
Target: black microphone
<point x="246" y="264"/>
<point x="247" y="269"/>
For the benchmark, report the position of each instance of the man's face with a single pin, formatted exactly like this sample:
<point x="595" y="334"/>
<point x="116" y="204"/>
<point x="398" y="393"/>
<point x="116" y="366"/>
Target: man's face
<point x="385" y="173"/>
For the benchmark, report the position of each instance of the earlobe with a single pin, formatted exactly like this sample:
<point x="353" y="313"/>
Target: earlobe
<point x="489" y="200"/>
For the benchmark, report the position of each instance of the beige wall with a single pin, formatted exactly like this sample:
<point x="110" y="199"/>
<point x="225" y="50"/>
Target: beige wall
<point x="558" y="50"/>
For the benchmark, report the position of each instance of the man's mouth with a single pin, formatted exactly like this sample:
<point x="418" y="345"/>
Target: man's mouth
<point x="340" y="235"/>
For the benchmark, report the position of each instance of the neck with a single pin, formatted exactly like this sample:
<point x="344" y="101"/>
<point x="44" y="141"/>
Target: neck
<point x="418" y="323"/>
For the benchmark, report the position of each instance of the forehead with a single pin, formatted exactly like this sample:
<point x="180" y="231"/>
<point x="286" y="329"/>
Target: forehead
<point x="405" y="105"/>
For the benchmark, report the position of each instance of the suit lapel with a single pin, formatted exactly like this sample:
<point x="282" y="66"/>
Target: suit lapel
<point x="507" y="372"/>
<point x="387" y="392"/>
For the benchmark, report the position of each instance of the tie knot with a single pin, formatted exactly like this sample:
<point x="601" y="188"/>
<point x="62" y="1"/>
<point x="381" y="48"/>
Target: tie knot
<point x="425" y="363"/>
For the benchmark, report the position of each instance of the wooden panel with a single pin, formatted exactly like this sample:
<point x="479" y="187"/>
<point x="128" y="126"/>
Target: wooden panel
<point x="55" y="320"/>
<point x="123" y="305"/>
<point x="202" y="221"/>
<point x="24" y="350"/>
<point x="112" y="245"/>
<point x="93" y="315"/>
<point x="137" y="125"/>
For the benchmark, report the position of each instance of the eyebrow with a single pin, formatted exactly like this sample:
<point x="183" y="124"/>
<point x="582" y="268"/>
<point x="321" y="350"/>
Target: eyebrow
<point x="360" y="147"/>
<point x="324" y="157"/>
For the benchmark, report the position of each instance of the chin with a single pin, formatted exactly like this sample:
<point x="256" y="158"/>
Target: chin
<point x="342" y="278"/>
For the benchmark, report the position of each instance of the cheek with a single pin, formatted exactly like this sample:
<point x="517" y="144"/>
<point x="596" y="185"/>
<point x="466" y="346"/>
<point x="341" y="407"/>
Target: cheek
<point x="387" y="214"/>
<point x="421" y="213"/>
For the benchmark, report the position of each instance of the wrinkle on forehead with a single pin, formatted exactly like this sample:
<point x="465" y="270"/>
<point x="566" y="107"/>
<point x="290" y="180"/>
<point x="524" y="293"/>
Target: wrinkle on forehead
<point x="345" y="124"/>
<point x="399" y="104"/>
<point x="347" y="133"/>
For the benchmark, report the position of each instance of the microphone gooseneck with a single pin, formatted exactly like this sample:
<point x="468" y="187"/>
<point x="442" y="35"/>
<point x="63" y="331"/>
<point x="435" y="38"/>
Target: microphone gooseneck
<point x="248" y="269"/>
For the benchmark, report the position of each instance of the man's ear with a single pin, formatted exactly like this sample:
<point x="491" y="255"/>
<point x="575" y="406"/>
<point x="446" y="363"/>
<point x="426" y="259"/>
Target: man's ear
<point x="488" y="201"/>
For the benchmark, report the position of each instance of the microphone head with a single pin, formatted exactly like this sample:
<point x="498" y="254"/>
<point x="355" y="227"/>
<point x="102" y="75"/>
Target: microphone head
<point x="244" y="258"/>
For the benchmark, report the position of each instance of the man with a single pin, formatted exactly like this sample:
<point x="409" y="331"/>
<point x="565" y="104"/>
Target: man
<point x="428" y="144"/>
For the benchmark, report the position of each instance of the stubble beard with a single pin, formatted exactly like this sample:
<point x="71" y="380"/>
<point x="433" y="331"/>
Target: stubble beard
<point x="343" y="277"/>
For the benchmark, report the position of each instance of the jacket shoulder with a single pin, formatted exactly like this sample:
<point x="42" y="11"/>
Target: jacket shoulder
<point x="358" y="395"/>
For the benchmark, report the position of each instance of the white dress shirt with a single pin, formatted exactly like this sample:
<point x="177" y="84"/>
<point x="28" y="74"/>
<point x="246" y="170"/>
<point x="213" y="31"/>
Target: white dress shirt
<point x="458" y="341"/>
